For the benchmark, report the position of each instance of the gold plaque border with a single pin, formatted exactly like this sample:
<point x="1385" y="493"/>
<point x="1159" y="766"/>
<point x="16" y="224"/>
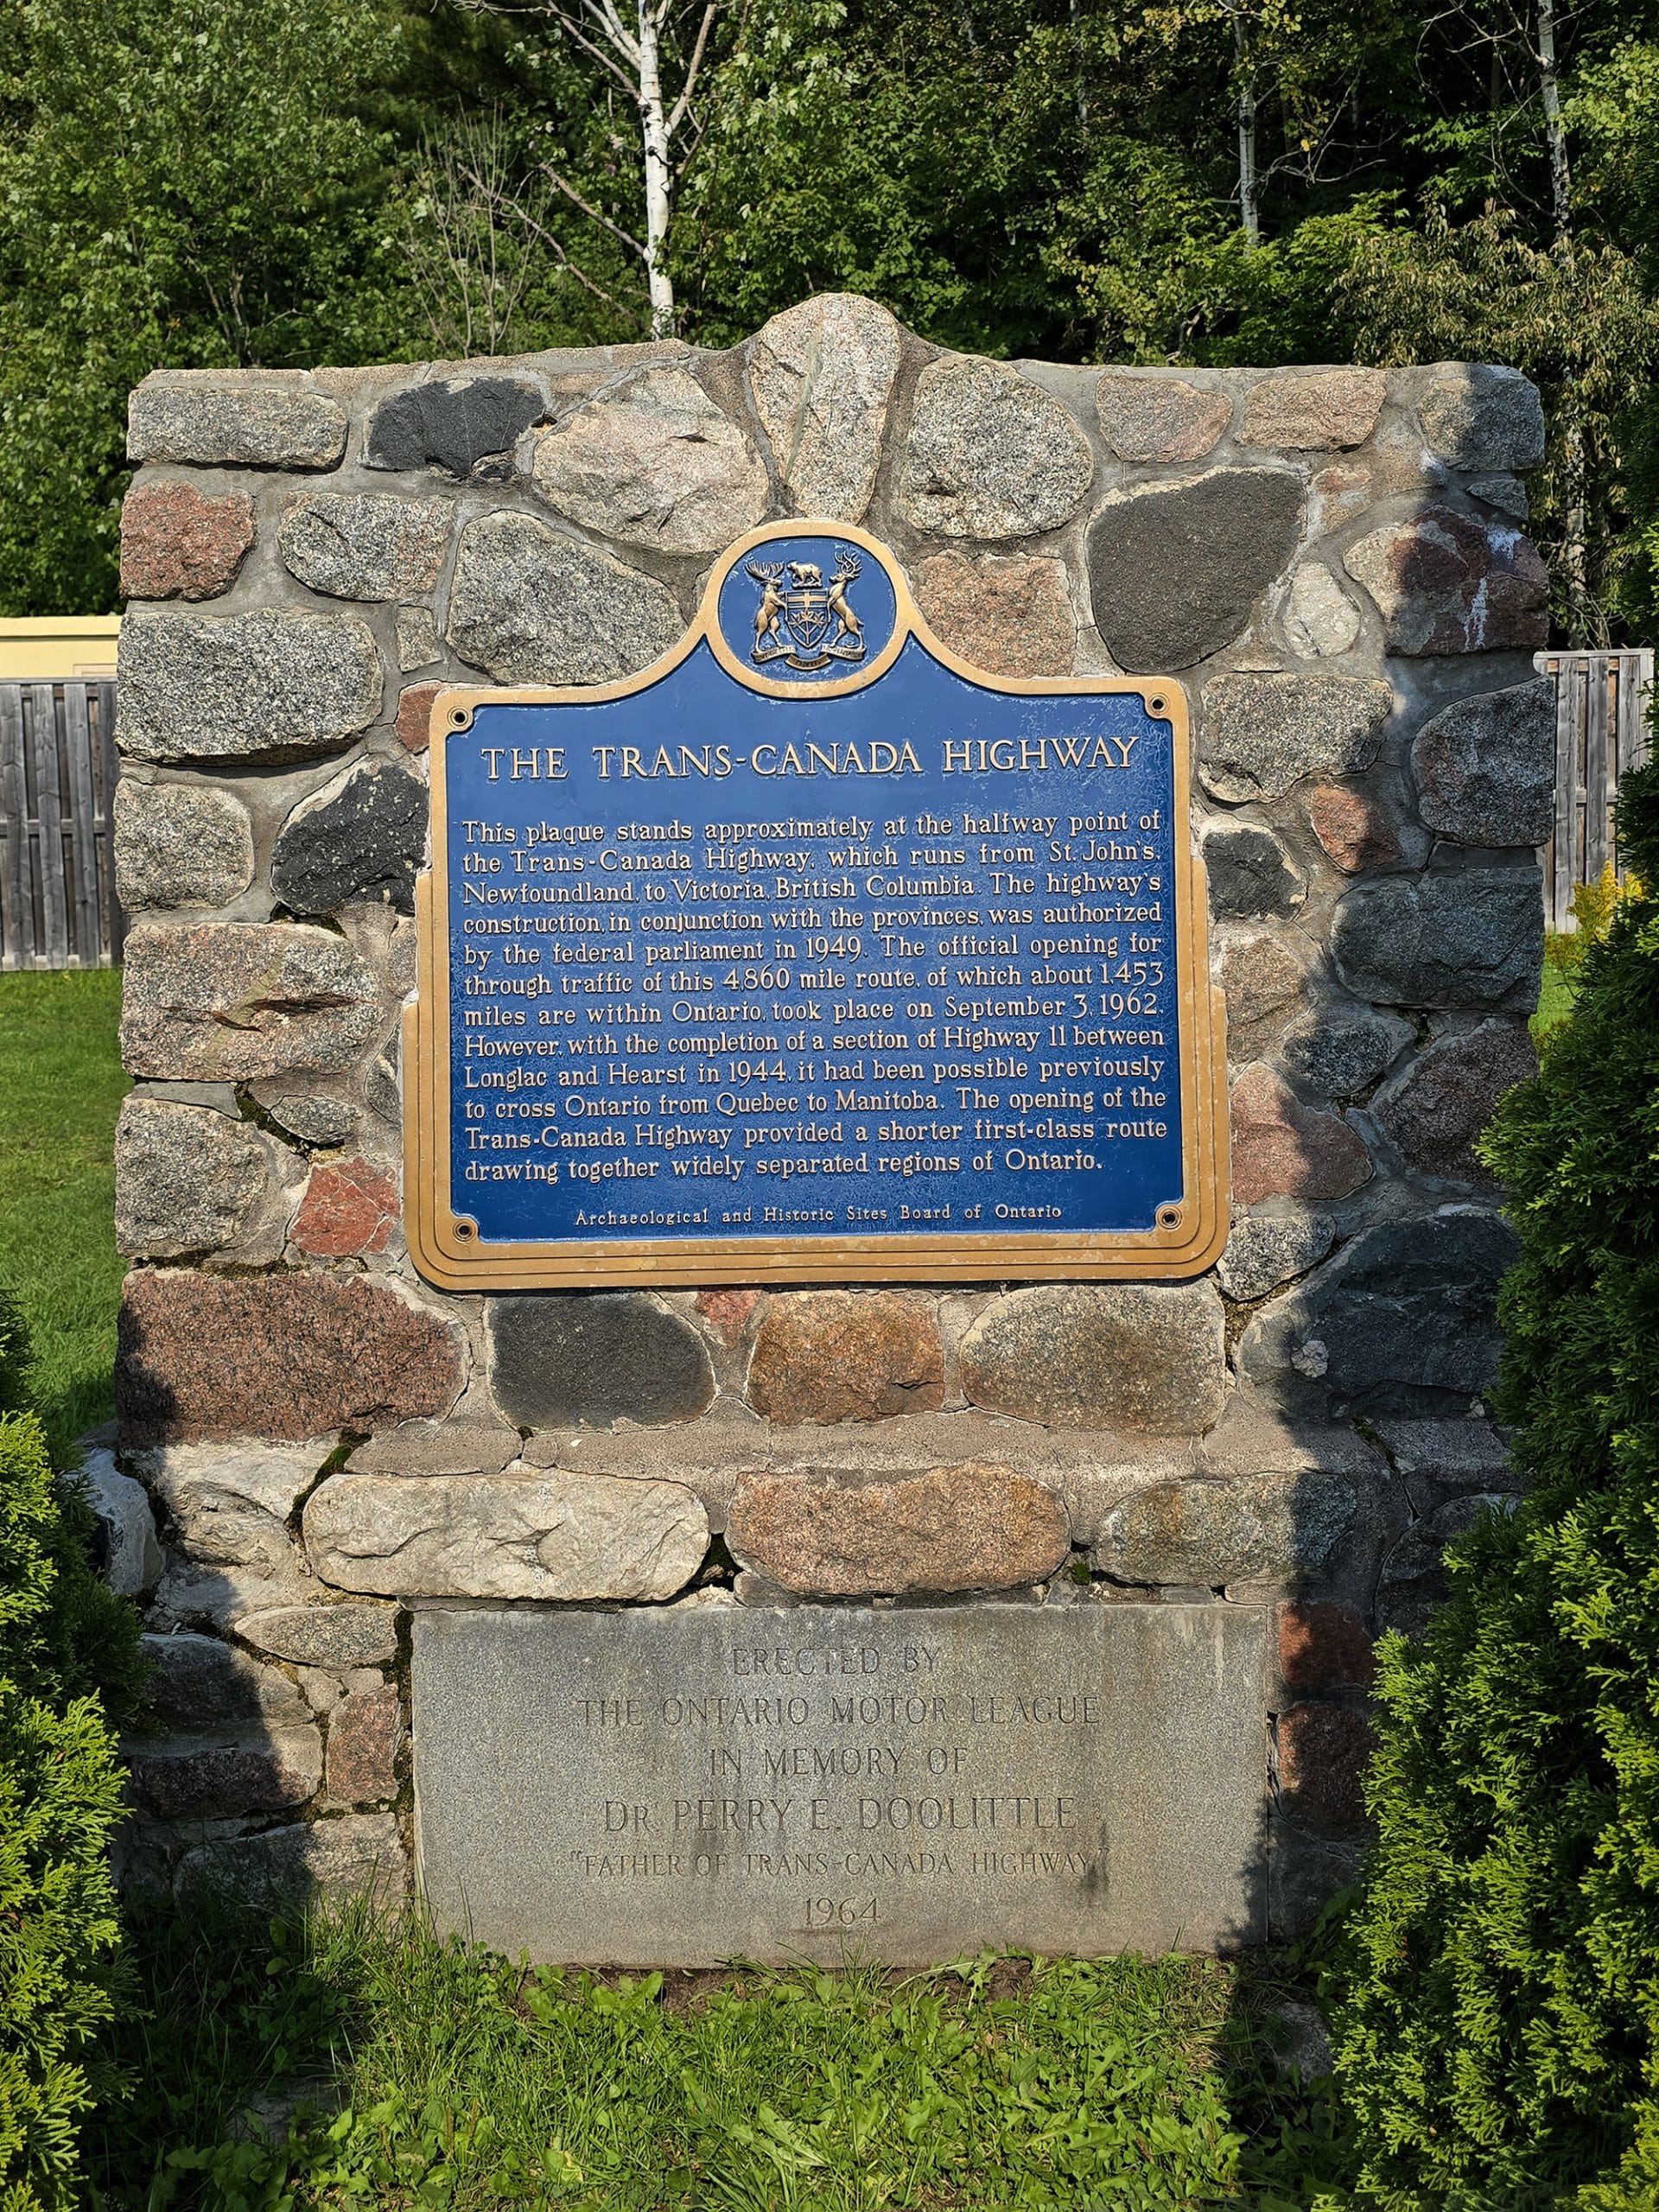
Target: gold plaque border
<point x="441" y="1244"/>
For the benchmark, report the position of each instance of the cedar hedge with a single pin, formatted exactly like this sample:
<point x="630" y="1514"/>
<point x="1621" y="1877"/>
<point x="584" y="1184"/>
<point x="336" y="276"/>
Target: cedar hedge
<point x="1499" y="2000"/>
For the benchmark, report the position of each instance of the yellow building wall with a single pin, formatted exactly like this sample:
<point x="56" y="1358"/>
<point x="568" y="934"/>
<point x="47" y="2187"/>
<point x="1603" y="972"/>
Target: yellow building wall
<point x="57" y="647"/>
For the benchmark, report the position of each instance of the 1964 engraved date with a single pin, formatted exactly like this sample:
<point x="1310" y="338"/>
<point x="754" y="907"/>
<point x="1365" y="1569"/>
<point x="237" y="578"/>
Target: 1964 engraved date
<point x="839" y="1912"/>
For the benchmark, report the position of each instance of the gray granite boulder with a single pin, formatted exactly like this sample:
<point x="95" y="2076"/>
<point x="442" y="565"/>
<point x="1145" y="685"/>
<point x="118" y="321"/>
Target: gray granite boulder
<point x="1485" y="767"/>
<point x="653" y="462"/>
<point x="187" y="1179"/>
<point x="176" y="845"/>
<point x="364" y="546"/>
<point x="226" y="1001"/>
<point x="533" y="608"/>
<point x="273" y="418"/>
<point x="285" y="1870"/>
<point x="990" y="455"/>
<point x="1265" y="1252"/>
<point x="820" y="375"/>
<point x="1139" y="1356"/>
<point x="1343" y="1051"/>
<point x="1250" y="873"/>
<point x="1262" y="734"/>
<point x="1264" y="1528"/>
<point x="1478" y="415"/>
<point x="265" y="686"/>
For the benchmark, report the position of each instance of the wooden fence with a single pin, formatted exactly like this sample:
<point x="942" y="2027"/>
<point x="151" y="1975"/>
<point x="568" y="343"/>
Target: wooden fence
<point x="57" y="863"/>
<point x="1601" y="730"/>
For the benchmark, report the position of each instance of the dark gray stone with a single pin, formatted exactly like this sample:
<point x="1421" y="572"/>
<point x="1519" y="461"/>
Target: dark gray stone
<point x="218" y="1776"/>
<point x="1175" y="569"/>
<point x="1250" y="873"/>
<point x="362" y="840"/>
<point x="460" y="424"/>
<point x="533" y="608"/>
<point x="285" y="1870"/>
<point x="542" y="1829"/>
<point x="1437" y="1459"/>
<point x="1478" y="415"/>
<point x="1413" y="1580"/>
<point x="197" y="1683"/>
<point x="1436" y="1110"/>
<point x="1262" y="734"/>
<point x="267" y="685"/>
<point x="1485" y="767"/>
<point x="1343" y="1053"/>
<point x="1475" y="939"/>
<point x="1402" y="1321"/>
<point x="594" y="1357"/>
<point x="312" y="1118"/>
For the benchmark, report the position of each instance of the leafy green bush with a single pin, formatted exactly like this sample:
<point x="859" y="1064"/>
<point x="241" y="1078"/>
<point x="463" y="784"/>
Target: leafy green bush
<point x="64" y="1638"/>
<point x="1499" y="2016"/>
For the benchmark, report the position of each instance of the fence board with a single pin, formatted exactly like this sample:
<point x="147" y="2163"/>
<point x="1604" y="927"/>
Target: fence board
<point x="14" y="825"/>
<point x="57" y="866"/>
<point x="1601" y="732"/>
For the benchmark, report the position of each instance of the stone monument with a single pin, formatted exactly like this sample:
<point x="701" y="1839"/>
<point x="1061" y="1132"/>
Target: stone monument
<point x="985" y="1544"/>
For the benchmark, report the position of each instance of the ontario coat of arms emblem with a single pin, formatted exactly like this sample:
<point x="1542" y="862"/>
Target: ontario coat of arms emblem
<point x="803" y="621"/>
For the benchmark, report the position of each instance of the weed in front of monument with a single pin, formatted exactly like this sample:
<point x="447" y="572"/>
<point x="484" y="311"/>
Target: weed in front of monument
<point x="60" y="1088"/>
<point x="349" y="2064"/>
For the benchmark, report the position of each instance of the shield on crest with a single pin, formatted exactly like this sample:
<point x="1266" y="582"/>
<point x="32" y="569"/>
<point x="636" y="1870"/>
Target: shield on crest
<point x="806" y="622"/>
<point x="806" y="606"/>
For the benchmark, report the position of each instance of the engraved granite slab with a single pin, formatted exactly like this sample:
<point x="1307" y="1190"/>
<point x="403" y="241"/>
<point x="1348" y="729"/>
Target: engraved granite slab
<point x="682" y="1787"/>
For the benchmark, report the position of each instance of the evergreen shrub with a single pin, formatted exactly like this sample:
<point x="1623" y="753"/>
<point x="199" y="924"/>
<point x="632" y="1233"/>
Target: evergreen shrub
<point x="67" y="1647"/>
<point x="1498" y="2003"/>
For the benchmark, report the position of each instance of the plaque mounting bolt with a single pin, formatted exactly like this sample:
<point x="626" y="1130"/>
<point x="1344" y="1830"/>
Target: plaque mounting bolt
<point x="1169" y="1216"/>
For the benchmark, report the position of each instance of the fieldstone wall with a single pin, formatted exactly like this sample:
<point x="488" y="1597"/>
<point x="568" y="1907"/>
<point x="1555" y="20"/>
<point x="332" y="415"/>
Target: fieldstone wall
<point x="311" y="1440"/>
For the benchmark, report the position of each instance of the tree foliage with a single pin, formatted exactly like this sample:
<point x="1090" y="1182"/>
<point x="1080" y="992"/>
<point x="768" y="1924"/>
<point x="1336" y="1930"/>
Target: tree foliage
<point x="1500" y="2037"/>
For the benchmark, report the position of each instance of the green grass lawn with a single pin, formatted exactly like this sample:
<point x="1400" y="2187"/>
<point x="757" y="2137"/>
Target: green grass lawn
<point x="428" y="2074"/>
<point x="60" y="1086"/>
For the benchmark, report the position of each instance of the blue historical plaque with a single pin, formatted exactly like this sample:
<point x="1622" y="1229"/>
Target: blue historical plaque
<point x="809" y="952"/>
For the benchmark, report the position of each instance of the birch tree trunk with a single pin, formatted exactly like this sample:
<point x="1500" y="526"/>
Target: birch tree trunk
<point x="659" y="175"/>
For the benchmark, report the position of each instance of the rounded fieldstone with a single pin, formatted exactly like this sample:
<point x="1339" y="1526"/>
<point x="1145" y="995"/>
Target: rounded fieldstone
<point x="365" y="546"/>
<point x="1436" y="1110"/>
<point x="529" y="1532"/>
<point x="1176" y="568"/>
<point x="1485" y="767"/>
<point x="845" y="1355"/>
<point x="359" y="1767"/>
<point x="1265" y="1252"/>
<point x="1250" y="873"/>
<point x="287" y="1870"/>
<point x="1342" y="1053"/>
<point x="533" y="608"/>
<point x="1141" y="1356"/>
<point x="176" y="543"/>
<point x="820" y="375"/>
<point x="360" y="839"/>
<point x="653" y="462"/>
<point x="1149" y="415"/>
<point x="227" y="1001"/>
<point x="1356" y="831"/>
<point x="176" y="845"/>
<point x="989" y="454"/>
<point x="1260" y="977"/>
<point x="197" y="1682"/>
<point x="281" y="1354"/>
<point x="350" y="1209"/>
<point x="973" y="1527"/>
<point x="265" y="418"/>
<point x="460" y="424"/>
<point x="181" y="1778"/>
<point x="1321" y="619"/>
<point x="1475" y="939"/>
<point x="311" y="1118"/>
<point x="187" y="1179"/>
<point x="1204" y="1534"/>
<point x="1478" y="415"/>
<point x="353" y="1633"/>
<point x="594" y="1356"/>
<point x="1284" y="1150"/>
<point x="1402" y="1321"/>
<point x="268" y="686"/>
<point x="1446" y="583"/>
<point x="1262" y="734"/>
<point x="1507" y="493"/>
<point x="1003" y="613"/>
<point x="230" y="1504"/>
<point x="1309" y="410"/>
